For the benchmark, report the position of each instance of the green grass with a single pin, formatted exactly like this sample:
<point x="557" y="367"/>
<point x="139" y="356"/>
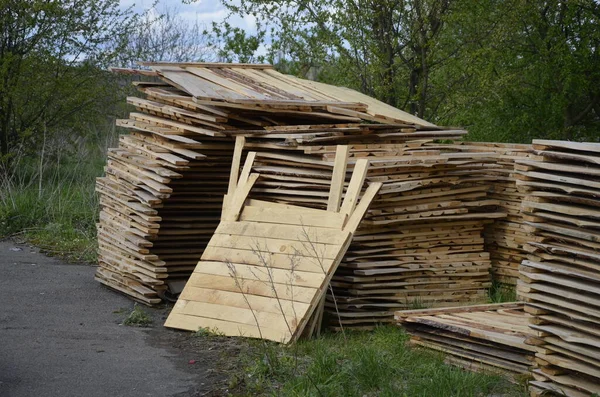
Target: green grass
<point x="137" y="318"/>
<point x="60" y="217"/>
<point x="500" y="293"/>
<point x="375" y="363"/>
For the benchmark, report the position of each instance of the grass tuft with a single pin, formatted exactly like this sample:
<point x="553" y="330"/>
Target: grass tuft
<point x="204" y="332"/>
<point x="137" y="318"/>
<point x="500" y="293"/>
<point x="59" y="214"/>
<point x="378" y="363"/>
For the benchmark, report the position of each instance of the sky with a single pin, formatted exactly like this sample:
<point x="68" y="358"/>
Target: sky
<point x="203" y="11"/>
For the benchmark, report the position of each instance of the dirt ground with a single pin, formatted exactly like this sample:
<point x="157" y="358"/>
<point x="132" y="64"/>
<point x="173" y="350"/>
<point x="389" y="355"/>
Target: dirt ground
<point x="61" y="333"/>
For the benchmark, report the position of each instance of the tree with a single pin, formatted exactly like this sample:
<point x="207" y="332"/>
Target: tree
<point x="540" y="74"/>
<point x="233" y="44"/>
<point x="167" y="37"/>
<point x="390" y="49"/>
<point x="53" y="57"/>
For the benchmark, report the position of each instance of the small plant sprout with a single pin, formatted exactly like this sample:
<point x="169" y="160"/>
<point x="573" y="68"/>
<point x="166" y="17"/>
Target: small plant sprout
<point x="137" y="318"/>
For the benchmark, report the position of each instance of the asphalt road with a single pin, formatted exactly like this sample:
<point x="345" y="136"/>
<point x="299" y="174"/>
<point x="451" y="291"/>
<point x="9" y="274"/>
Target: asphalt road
<point x="60" y="335"/>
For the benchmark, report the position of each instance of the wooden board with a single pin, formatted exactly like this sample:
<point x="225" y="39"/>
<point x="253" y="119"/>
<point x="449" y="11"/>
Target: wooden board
<point x="261" y="297"/>
<point x="493" y="335"/>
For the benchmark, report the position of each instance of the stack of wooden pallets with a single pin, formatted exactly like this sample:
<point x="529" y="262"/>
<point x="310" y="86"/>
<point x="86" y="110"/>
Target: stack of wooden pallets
<point x="560" y="281"/>
<point x="505" y="238"/>
<point x="478" y="338"/>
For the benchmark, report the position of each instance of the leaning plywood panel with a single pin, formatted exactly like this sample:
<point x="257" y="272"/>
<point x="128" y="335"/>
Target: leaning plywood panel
<point x="267" y="266"/>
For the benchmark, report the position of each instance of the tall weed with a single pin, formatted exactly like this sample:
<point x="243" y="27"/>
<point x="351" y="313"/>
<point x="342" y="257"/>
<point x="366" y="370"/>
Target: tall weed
<point x="49" y="200"/>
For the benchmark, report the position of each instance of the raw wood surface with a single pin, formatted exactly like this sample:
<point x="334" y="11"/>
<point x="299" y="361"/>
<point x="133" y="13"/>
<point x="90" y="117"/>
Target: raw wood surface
<point x="259" y="297"/>
<point x="560" y="280"/>
<point x="493" y="335"/>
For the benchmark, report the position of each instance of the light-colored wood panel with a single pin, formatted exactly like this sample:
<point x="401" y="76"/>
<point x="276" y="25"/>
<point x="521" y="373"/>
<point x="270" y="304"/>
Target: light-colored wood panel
<point x="330" y="220"/>
<point x="263" y="273"/>
<point x="284" y="232"/>
<point x="252" y="287"/>
<point x="294" y="248"/>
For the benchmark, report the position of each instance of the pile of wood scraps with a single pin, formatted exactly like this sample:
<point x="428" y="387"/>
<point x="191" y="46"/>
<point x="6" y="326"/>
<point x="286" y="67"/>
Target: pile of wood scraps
<point x="478" y="338"/>
<point x="560" y="281"/>
<point x="265" y="270"/>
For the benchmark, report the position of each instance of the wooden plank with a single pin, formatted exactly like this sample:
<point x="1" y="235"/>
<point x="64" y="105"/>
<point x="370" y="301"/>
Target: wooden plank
<point x="542" y="144"/>
<point x="338" y="179"/>
<point x="298" y="217"/>
<point x="278" y="231"/>
<point x="237" y="299"/>
<point x="276" y="260"/>
<point x="236" y="201"/>
<point x="356" y="182"/>
<point x="360" y="210"/>
<point x="261" y="272"/>
<point x="235" y="164"/>
<point x="300" y="248"/>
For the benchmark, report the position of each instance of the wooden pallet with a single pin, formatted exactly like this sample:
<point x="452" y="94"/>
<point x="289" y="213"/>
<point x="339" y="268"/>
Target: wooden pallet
<point x="266" y="268"/>
<point x="560" y="280"/>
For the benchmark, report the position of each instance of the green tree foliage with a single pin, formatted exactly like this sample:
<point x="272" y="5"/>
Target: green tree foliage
<point x="386" y="48"/>
<point x="508" y="70"/>
<point x="233" y="44"/>
<point x="53" y="56"/>
<point x="538" y="75"/>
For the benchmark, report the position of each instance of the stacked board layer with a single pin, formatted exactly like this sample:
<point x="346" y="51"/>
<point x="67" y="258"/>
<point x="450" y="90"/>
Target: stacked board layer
<point x="478" y="338"/>
<point x="506" y="237"/>
<point x="267" y="266"/>
<point x="160" y="203"/>
<point x="560" y="280"/>
<point x="421" y="241"/>
<point x="162" y="194"/>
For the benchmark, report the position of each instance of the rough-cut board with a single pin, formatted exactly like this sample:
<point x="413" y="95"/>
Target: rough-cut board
<point x="166" y="180"/>
<point x="505" y="238"/>
<point x="480" y="337"/>
<point x="246" y="86"/>
<point x="560" y="280"/>
<point x="267" y="266"/>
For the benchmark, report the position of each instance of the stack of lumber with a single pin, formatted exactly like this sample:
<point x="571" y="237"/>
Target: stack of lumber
<point x="160" y="202"/>
<point x="477" y="338"/>
<point x="268" y="265"/>
<point x="505" y="238"/>
<point x="162" y="194"/>
<point x="421" y="242"/>
<point x="560" y="280"/>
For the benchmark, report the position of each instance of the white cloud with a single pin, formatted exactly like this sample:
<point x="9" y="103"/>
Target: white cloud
<point x="203" y="11"/>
